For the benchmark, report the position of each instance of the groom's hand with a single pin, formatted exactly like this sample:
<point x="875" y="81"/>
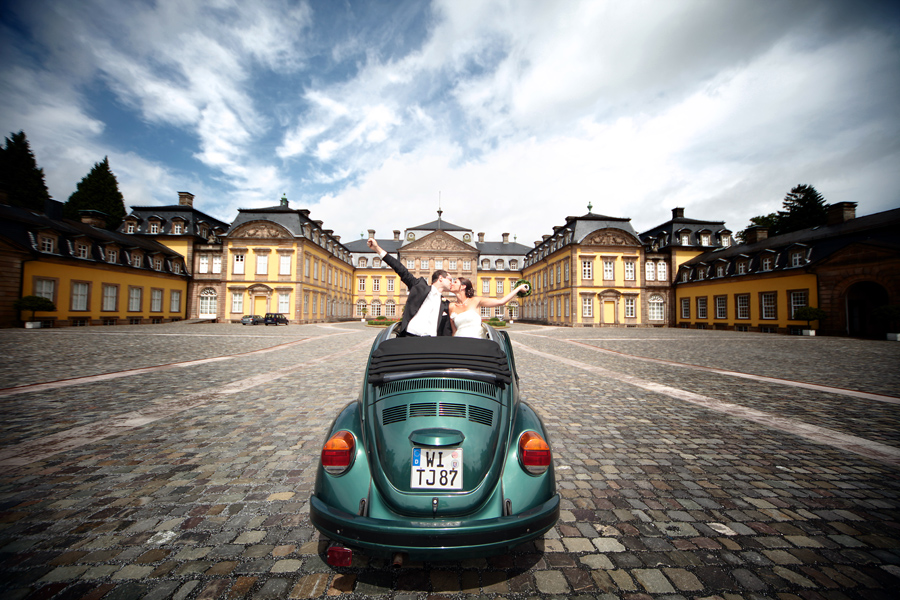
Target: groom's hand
<point x="373" y="244"/>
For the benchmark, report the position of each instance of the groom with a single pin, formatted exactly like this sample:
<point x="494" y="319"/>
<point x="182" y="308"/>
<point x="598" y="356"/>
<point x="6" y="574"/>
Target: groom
<point x="426" y="313"/>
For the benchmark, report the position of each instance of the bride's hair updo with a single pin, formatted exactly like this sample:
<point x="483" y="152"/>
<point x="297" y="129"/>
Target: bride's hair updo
<point x="466" y="285"/>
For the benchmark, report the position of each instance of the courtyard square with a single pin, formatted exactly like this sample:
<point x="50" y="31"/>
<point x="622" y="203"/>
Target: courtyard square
<point x="176" y="461"/>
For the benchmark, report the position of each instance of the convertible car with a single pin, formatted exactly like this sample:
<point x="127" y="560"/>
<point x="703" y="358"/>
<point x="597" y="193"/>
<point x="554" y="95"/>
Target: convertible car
<point x="437" y="459"/>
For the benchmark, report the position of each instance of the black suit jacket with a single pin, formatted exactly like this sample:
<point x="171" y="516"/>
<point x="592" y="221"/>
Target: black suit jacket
<point x="418" y="291"/>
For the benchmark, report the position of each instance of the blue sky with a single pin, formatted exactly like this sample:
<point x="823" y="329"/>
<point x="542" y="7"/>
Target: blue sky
<point x="515" y="114"/>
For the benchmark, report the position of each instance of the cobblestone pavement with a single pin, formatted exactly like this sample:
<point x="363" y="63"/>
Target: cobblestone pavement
<point x="176" y="461"/>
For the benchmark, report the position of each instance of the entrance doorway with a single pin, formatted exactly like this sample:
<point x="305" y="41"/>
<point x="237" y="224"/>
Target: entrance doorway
<point x="862" y="300"/>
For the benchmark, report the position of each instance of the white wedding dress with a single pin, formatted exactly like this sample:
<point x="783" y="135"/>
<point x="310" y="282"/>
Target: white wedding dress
<point x="468" y="324"/>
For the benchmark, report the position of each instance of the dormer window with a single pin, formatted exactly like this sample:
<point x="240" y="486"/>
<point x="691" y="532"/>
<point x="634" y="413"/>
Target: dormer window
<point x="204" y="232"/>
<point x="176" y="228"/>
<point x="376" y="262"/>
<point x="154" y="227"/>
<point x="176" y="267"/>
<point x="513" y="264"/>
<point x="498" y="264"/>
<point x="81" y="250"/>
<point x="726" y="240"/>
<point x="742" y="268"/>
<point x="136" y="260"/>
<point x="685" y="275"/>
<point x="796" y="259"/>
<point x="158" y="264"/>
<point x="130" y="227"/>
<point x="48" y="244"/>
<point x="767" y="263"/>
<point x="720" y="271"/>
<point x="362" y="262"/>
<point x="704" y="239"/>
<point x="112" y="256"/>
<point x="685" y="239"/>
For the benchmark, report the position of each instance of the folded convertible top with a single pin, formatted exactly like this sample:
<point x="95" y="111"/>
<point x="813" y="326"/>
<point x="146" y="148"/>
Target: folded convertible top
<point x="410" y="354"/>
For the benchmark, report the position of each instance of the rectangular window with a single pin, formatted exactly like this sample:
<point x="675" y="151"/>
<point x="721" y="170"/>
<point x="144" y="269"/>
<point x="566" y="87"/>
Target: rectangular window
<point x="130" y="228"/>
<point x="306" y="303"/>
<point x="390" y="309"/>
<point x="316" y="269"/>
<point x="767" y="263"/>
<point x="796" y="259"/>
<point x="566" y="271"/>
<point x="156" y="300"/>
<point x="81" y="250"/>
<point x="238" y="264"/>
<point x="112" y="256"/>
<point x="720" y="270"/>
<point x="650" y="271"/>
<point x="361" y="284"/>
<point x="485" y="312"/>
<point x="742" y="306"/>
<point x="485" y="286"/>
<point x="110" y="297"/>
<point x="721" y="307"/>
<point x="499" y="287"/>
<point x="79" y="296"/>
<point x="390" y="284"/>
<point x="176" y="228"/>
<point x="587" y="307"/>
<point x="629" y="270"/>
<point x="376" y="284"/>
<point x="284" y="264"/>
<point x="262" y="264"/>
<point x="566" y="304"/>
<point x="629" y="306"/>
<point x="47" y="244"/>
<point x="217" y="263"/>
<point x="685" y="308"/>
<point x="136" y="261"/>
<point x="204" y="263"/>
<point x="608" y="270"/>
<point x="741" y="268"/>
<point x="558" y="274"/>
<point x="799" y="299"/>
<point x="237" y="302"/>
<point x="704" y="239"/>
<point x="423" y="264"/>
<point x="157" y="264"/>
<point x="134" y="299"/>
<point x="452" y="266"/>
<point x="438" y="263"/>
<point x="306" y="267"/>
<point x="661" y="271"/>
<point x="315" y="304"/>
<point x="701" y="307"/>
<point x="587" y="269"/>
<point x="767" y="302"/>
<point x="45" y="288"/>
<point x="154" y="227"/>
<point x="175" y="301"/>
<point x="330" y="273"/>
<point x="410" y="263"/>
<point x="467" y="265"/>
<point x="284" y="303"/>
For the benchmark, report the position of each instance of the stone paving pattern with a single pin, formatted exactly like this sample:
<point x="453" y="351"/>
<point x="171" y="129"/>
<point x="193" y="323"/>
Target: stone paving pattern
<point x="661" y="498"/>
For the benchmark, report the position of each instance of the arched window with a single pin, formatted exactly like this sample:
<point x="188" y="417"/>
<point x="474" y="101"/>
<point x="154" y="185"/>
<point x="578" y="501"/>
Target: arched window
<point x="360" y="307"/>
<point x="485" y="264"/>
<point x="498" y="264"/>
<point x="376" y="308"/>
<point x="390" y="308"/>
<point x="208" y="303"/>
<point x="656" y="311"/>
<point x="361" y="263"/>
<point x="661" y="271"/>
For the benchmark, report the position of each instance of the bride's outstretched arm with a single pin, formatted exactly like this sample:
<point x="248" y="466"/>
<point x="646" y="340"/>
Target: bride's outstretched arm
<point x="492" y="302"/>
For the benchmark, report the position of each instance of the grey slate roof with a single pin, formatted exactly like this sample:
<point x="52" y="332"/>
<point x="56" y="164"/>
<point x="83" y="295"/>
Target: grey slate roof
<point x="391" y="246"/>
<point x="499" y="248"/>
<point x="190" y="214"/>
<point x="438" y="224"/>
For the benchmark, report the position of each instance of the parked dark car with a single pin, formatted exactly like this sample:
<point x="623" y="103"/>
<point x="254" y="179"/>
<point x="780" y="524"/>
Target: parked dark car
<point x="438" y="458"/>
<point x="251" y="320"/>
<point x="275" y="319"/>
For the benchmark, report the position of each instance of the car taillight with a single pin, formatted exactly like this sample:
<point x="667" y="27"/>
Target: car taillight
<point x="337" y="453"/>
<point x="534" y="453"/>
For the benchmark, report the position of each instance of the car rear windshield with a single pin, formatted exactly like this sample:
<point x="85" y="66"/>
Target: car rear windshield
<point x="413" y="354"/>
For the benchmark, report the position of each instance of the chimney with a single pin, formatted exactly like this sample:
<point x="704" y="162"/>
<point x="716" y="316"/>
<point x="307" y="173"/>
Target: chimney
<point x="94" y="218"/>
<point x="372" y="234"/>
<point x="546" y="237"/>
<point x="841" y="212"/>
<point x="677" y="213"/>
<point x="481" y="236"/>
<point x="337" y="238"/>
<point x="756" y="234"/>
<point x="505" y="238"/>
<point x="185" y="199"/>
<point x="396" y="235"/>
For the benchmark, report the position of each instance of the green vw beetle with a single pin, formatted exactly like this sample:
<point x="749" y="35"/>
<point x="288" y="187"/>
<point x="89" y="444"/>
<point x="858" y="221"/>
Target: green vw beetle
<point x="438" y="459"/>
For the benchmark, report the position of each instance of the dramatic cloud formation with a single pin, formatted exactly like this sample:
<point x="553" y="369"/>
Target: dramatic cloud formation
<point x="513" y="114"/>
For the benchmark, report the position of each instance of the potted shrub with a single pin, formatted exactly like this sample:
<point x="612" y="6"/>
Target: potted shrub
<point x="809" y="314"/>
<point x="34" y="304"/>
<point x="365" y="311"/>
<point x="889" y="314"/>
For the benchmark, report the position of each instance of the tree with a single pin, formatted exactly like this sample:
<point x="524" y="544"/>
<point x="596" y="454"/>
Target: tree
<point x="34" y="304"/>
<point x="809" y="314"/>
<point x="804" y="207"/>
<point x="99" y="190"/>
<point x="20" y="176"/>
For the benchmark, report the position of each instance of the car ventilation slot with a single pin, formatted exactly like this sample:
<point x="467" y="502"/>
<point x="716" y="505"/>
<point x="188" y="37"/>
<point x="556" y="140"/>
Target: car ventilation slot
<point x="476" y="414"/>
<point x="459" y="385"/>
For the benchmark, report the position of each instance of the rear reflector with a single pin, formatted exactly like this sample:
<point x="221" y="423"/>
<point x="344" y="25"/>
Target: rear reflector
<point x="337" y="454"/>
<point x="338" y="556"/>
<point x="534" y="453"/>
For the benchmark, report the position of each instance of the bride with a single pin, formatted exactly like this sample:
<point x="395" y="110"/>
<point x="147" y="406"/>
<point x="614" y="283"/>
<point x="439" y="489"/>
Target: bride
<point x="465" y="313"/>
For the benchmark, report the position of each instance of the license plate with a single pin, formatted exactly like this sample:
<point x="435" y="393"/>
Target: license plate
<point x="437" y="468"/>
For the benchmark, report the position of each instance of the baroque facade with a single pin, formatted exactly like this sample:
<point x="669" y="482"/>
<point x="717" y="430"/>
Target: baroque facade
<point x="174" y="262"/>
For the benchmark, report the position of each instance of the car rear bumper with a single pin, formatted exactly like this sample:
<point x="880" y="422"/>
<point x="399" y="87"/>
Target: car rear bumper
<point x="424" y="539"/>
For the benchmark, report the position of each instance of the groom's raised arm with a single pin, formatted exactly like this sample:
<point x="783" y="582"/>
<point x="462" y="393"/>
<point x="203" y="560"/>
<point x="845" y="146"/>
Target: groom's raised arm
<point x="406" y="277"/>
